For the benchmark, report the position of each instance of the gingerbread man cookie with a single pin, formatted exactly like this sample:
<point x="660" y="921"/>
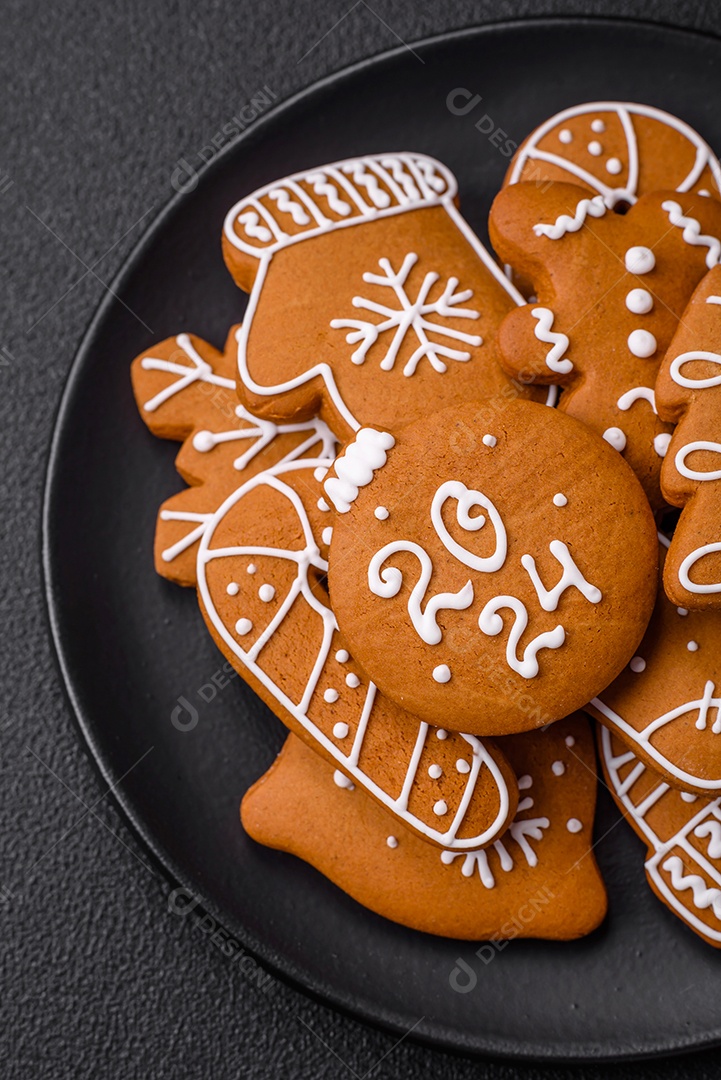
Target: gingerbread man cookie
<point x="611" y="288"/>
<point x="539" y="880"/>
<point x="688" y="392"/>
<point x="254" y="541"/>
<point x="495" y="577"/>
<point x="665" y="704"/>
<point x="369" y="295"/>
<point x="619" y="150"/>
<point x="682" y="832"/>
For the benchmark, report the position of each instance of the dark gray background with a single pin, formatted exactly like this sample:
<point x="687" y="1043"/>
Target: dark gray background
<point x="100" y="105"/>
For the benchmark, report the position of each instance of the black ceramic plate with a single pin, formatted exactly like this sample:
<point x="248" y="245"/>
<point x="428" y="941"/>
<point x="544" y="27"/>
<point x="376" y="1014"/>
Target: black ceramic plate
<point x="131" y="644"/>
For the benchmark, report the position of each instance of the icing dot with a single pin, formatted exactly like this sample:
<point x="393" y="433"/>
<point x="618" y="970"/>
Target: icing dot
<point x="660" y="443"/>
<point x="330" y="696"/>
<point x="266" y="593"/>
<point x="616" y="438"/>
<point x="574" y="825"/>
<point x="340" y="730"/>
<point x="682" y="610"/>
<point x="688" y="797"/>
<point x="204" y="441"/>
<point x="692" y="646"/>
<point x="595" y="148"/>
<point x="565" y="136"/>
<point x="233" y="588"/>
<point x="327" y="534"/>
<point x="703" y="191"/>
<point x="320" y="473"/>
<point x="442" y="673"/>
<point x="598" y="126"/>
<point x="342" y="780"/>
<point x="440" y="808"/>
<point x="243" y="627"/>
<point x="352" y="680"/>
<point x="381" y="512"/>
<point x="639" y="260"/>
<point x="342" y="656"/>
<point x="392" y="842"/>
<point x="463" y="766"/>
<point x="252" y="568"/>
<point x="639" y="301"/>
<point x="323" y="505"/>
<point x="441" y="734"/>
<point x="489" y="440"/>
<point x="638" y="664"/>
<point x="558" y="768"/>
<point x="614" y="166"/>
<point x="435" y="771"/>
<point x="525" y="782"/>
<point x="559" y="499"/>
<point x="570" y="741"/>
<point x="642" y="343"/>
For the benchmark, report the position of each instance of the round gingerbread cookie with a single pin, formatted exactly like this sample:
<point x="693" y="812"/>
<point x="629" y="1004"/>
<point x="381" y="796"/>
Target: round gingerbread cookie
<point x="619" y="150"/>
<point x="499" y="572"/>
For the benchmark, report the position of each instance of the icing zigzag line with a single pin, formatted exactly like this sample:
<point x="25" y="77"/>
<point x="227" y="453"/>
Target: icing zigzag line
<point x="692" y="232"/>
<point x="594" y="207"/>
<point x="703" y="897"/>
<point x="543" y="331"/>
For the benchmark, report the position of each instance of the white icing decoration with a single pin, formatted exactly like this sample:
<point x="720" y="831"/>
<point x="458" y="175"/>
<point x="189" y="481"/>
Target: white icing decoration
<point x="409" y="316"/>
<point x="695" y="384"/>
<point x="491" y="623"/>
<point x="387" y="583"/>
<point x="693" y="474"/>
<point x="392" y="842"/>
<point x="322" y="186"/>
<point x="660" y="443"/>
<point x="233" y="588"/>
<point x="703" y="897"/>
<point x="251" y="223"/>
<point x="574" y="825"/>
<point x="614" y="166"/>
<point x="381" y="512"/>
<point x="594" y="208"/>
<point x="712" y="829"/>
<point x="565" y="136"/>
<point x="355" y="469"/>
<point x="637" y="664"/>
<point x="616" y="438"/>
<point x="263" y="432"/>
<point x="251" y="569"/>
<point x="595" y="148"/>
<point x="559" y="342"/>
<point x="327" y="535"/>
<point x="639" y="301"/>
<point x="692" y="232"/>
<point x="559" y="499"/>
<point x="468" y="499"/>
<point x="637" y="393"/>
<point x="692" y="646"/>
<point x="462" y="766"/>
<point x="340" y="730"/>
<point x="558" y="768"/>
<point x="682" y="610"/>
<point x="570" y="741"/>
<point x="441" y="734"/>
<point x="201" y="371"/>
<point x="322" y="505"/>
<point x="639" y="260"/>
<point x="571" y="578"/>
<point x="489" y="440"/>
<point x="691" y="559"/>
<point x="332" y="696"/>
<point x="435" y="772"/>
<point x="525" y="782"/>
<point x="286" y="205"/>
<point x="642" y="343"/>
<point x="342" y="656"/>
<point x="243" y="627"/>
<point x="342" y="780"/>
<point x="440" y="808"/>
<point x="266" y="593"/>
<point x="442" y="673"/>
<point x="598" y="126"/>
<point x="352" y="680"/>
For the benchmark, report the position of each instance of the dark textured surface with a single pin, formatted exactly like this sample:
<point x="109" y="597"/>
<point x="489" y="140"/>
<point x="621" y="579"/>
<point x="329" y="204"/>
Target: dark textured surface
<point x="100" y="105"/>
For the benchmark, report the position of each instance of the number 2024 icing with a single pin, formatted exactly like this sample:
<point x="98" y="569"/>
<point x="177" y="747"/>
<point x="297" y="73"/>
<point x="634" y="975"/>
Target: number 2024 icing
<point x="688" y="392"/>
<point x="483" y="596"/>
<point x="369" y="296"/>
<point x="248" y="534"/>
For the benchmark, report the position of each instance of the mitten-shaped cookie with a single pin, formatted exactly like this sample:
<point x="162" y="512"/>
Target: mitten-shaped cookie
<point x="372" y="301"/>
<point x="539" y="880"/>
<point x="495" y="576"/>
<point x="688" y="391"/>
<point x="682" y="832"/>
<point x="665" y="704"/>
<point x="611" y="288"/>
<point x="619" y="150"/>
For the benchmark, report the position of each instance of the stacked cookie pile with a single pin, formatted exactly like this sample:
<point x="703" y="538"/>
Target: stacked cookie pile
<point x="427" y="518"/>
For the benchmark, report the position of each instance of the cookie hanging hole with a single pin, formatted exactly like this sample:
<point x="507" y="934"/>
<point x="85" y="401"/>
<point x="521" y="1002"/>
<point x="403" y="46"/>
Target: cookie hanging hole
<point x="621" y="207"/>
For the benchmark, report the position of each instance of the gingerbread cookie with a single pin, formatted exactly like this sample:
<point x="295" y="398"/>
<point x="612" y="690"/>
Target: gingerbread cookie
<point x="618" y="150"/>
<point x="682" y="832"/>
<point x="688" y="392"/>
<point x="370" y="296"/>
<point x="495" y="577"/>
<point x="665" y="704"/>
<point x="611" y="289"/>
<point x="262" y="594"/>
<point x="540" y="880"/>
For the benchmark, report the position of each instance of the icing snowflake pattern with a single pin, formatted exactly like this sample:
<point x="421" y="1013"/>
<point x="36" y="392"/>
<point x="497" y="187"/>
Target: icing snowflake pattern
<point x="411" y="316"/>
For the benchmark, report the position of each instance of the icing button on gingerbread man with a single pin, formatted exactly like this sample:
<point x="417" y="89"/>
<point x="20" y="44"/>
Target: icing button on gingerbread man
<point x="499" y="573"/>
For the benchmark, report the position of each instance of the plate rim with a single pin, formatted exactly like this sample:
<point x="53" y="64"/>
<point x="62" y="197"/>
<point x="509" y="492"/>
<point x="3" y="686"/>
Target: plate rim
<point x="360" y="1010"/>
